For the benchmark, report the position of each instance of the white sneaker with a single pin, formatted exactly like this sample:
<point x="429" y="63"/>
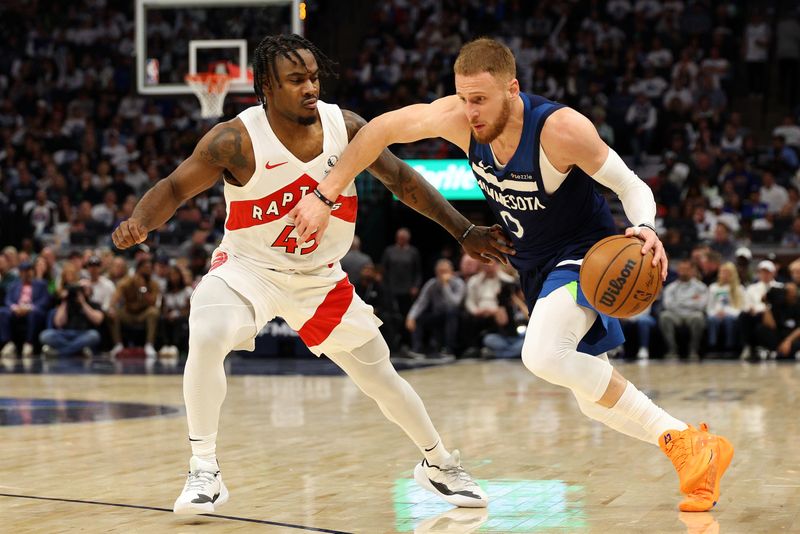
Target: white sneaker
<point x="27" y="350"/>
<point x="203" y="492"/>
<point x="150" y="354"/>
<point x="9" y="350"/>
<point x="115" y="350"/>
<point x="643" y="354"/>
<point x="451" y="482"/>
<point x="49" y="352"/>
<point x="87" y="352"/>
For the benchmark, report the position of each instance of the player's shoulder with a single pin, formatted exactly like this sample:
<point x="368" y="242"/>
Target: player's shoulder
<point x="566" y="128"/>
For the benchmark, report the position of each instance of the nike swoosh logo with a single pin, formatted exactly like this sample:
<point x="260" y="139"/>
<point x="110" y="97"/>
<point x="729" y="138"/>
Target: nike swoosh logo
<point x="444" y="490"/>
<point x="269" y="167"/>
<point x="200" y="499"/>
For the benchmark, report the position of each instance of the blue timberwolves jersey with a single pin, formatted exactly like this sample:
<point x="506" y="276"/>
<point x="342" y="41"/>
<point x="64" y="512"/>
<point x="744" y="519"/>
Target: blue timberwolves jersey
<point x="549" y="232"/>
<point x="546" y="229"/>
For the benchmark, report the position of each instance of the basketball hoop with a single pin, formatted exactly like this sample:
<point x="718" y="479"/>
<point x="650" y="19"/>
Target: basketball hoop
<point x="211" y="90"/>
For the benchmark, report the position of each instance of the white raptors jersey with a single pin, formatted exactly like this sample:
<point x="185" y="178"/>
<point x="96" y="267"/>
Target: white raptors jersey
<point x="257" y="228"/>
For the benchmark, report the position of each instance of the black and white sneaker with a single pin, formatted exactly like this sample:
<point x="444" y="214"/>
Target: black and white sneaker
<point x="451" y="482"/>
<point x="203" y="492"/>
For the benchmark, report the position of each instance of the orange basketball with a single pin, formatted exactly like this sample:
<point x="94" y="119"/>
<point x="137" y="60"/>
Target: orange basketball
<point x="616" y="279"/>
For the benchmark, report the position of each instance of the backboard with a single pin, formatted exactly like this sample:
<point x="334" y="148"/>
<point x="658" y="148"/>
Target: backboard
<point x="179" y="37"/>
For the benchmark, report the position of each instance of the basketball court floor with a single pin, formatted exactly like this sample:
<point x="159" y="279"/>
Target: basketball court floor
<point x="107" y="452"/>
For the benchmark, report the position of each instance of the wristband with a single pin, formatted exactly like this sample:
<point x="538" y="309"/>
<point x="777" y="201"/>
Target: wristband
<point x="465" y="234"/>
<point x="324" y="199"/>
<point x="650" y="226"/>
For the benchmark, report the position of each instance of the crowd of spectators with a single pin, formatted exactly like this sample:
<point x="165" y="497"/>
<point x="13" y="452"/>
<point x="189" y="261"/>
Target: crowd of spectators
<point x="93" y="301"/>
<point x="79" y="146"/>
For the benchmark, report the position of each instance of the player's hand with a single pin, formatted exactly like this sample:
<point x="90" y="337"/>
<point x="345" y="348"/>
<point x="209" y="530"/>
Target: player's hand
<point x="651" y="242"/>
<point x="488" y="243"/>
<point x="310" y="215"/>
<point x="129" y="232"/>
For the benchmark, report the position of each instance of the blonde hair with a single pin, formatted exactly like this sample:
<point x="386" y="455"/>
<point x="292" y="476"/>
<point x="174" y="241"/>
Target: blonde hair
<point x="486" y="55"/>
<point x="737" y="296"/>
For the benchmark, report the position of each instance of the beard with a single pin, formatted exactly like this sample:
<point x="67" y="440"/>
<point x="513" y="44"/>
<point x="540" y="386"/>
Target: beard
<point x="492" y="131"/>
<point x="307" y="121"/>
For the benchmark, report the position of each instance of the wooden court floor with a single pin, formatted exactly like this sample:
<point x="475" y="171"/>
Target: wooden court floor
<point x="312" y="454"/>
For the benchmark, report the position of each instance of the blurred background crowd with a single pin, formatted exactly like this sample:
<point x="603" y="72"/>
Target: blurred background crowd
<point x="701" y="97"/>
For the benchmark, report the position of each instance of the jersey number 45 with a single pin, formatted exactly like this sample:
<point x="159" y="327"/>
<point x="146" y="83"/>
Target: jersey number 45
<point x="290" y="243"/>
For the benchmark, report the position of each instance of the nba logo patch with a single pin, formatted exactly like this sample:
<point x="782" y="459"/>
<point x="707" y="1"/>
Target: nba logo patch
<point x="219" y="259"/>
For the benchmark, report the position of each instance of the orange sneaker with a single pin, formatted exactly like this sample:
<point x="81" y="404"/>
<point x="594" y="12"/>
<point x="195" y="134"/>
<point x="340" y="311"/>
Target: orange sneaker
<point x="701" y="459"/>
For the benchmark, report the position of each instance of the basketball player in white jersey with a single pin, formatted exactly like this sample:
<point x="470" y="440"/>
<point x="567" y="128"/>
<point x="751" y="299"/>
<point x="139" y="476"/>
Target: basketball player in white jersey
<point x="270" y="156"/>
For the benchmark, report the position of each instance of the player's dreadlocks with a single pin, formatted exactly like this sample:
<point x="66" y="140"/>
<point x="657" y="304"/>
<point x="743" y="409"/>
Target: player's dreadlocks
<point x="287" y="46"/>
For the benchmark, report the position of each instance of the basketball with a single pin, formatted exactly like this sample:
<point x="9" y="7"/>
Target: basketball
<point x="616" y="279"/>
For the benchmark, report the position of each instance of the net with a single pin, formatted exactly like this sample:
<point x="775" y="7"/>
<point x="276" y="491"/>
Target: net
<point x="211" y="90"/>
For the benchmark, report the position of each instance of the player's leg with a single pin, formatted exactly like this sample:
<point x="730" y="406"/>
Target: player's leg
<point x="556" y="327"/>
<point x="220" y="319"/>
<point x="440" y="472"/>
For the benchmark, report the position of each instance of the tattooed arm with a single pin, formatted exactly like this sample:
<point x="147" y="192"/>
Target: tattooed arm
<point x="407" y="184"/>
<point x="416" y="192"/>
<point x="226" y="148"/>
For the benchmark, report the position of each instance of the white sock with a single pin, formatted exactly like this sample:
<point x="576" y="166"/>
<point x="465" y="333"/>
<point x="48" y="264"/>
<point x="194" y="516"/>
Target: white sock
<point x="205" y="448"/>
<point x="639" y="408"/>
<point x="436" y="455"/>
<point x="614" y="420"/>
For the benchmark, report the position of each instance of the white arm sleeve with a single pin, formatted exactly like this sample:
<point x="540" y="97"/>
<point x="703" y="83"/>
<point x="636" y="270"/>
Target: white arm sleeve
<point x="636" y="196"/>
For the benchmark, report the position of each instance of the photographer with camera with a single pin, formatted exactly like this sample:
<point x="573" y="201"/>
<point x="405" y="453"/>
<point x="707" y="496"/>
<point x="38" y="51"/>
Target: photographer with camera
<point x="74" y="323"/>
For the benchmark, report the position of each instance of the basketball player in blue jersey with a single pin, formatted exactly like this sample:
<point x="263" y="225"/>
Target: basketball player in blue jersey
<point x="535" y="161"/>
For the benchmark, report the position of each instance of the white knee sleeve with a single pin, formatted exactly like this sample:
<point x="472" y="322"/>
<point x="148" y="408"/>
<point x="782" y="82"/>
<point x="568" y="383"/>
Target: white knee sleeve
<point x="556" y="327"/>
<point x="371" y="370"/>
<point x="219" y="321"/>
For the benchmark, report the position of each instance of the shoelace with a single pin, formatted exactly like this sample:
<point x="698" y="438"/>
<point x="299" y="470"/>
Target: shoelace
<point x="199" y="479"/>
<point x="456" y="473"/>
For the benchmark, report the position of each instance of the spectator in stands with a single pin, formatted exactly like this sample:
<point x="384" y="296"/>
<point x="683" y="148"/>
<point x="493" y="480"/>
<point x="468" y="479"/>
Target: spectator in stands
<point x="792" y="236"/>
<point x="642" y="119"/>
<point x="789" y="130"/>
<point x="507" y="341"/>
<point x="787" y="37"/>
<point x="773" y="194"/>
<point x="783" y="156"/>
<point x="684" y="304"/>
<point x="118" y="270"/>
<point x="437" y="309"/>
<point x="135" y="303"/>
<point x="6" y="277"/>
<point x="26" y="306"/>
<point x="75" y="323"/>
<point x="726" y="300"/>
<point x="354" y="261"/>
<point x="41" y="214"/>
<point x="102" y="288"/>
<point x="780" y="329"/>
<point x="175" y="314"/>
<point x="723" y="242"/>
<point x="756" y="52"/>
<point x="645" y="323"/>
<point x="484" y="312"/>
<point x="743" y="257"/>
<point x="402" y="271"/>
<point x="755" y="305"/>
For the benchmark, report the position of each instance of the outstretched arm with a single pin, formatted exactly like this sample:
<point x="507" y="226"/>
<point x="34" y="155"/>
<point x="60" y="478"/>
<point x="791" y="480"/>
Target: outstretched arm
<point x="417" y="193"/>
<point x="218" y="150"/>
<point x="442" y="118"/>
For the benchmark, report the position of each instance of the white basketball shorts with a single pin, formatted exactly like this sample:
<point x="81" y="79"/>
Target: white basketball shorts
<point x="321" y="305"/>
